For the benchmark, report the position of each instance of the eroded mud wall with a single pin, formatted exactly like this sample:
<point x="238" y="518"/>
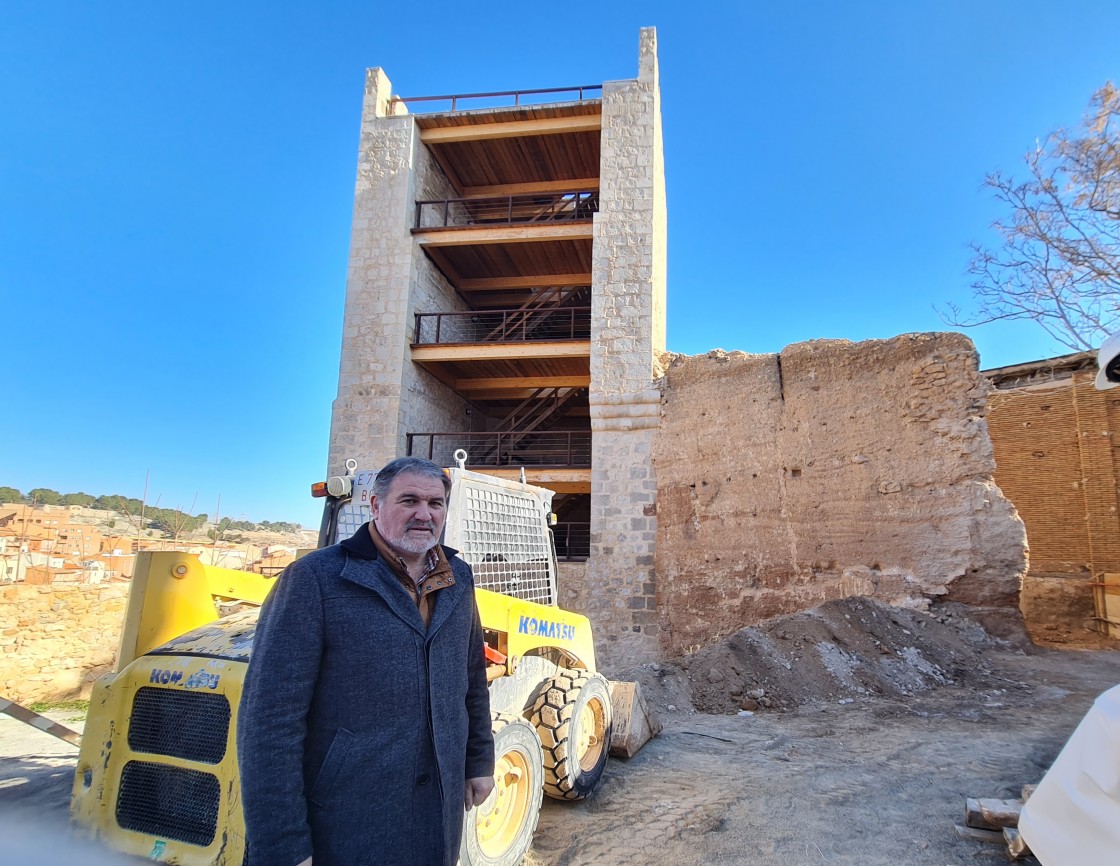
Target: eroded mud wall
<point x="829" y="470"/>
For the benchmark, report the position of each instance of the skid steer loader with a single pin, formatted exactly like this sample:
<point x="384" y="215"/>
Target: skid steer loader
<point x="157" y="773"/>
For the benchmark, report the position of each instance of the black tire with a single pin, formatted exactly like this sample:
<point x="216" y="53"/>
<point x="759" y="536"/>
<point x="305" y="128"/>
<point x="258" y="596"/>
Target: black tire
<point x="572" y="716"/>
<point x="500" y="831"/>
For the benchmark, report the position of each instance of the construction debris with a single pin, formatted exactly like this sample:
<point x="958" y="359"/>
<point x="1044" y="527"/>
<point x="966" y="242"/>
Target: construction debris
<point x="1016" y="846"/>
<point x="996" y="821"/>
<point x="845" y="651"/>
<point x="992" y="814"/>
<point x="978" y="835"/>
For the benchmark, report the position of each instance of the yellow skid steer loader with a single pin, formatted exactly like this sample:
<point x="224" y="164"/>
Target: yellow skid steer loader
<point x="157" y="773"/>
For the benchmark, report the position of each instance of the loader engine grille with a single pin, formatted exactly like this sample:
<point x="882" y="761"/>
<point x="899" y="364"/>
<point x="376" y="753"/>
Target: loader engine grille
<point x="503" y="540"/>
<point x="188" y="725"/>
<point x="351" y="516"/>
<point x="169" y="802"/>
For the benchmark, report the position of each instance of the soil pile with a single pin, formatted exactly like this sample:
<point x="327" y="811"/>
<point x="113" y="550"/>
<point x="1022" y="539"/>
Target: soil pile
<point x="844" y="651"/>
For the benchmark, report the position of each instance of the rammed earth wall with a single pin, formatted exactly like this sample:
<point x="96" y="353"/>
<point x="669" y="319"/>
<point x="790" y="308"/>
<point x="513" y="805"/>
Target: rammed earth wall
<point x="828" y="470"/>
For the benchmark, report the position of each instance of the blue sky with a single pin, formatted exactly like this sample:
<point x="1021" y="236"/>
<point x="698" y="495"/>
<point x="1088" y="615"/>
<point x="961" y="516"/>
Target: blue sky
<point x="176" y="185"/>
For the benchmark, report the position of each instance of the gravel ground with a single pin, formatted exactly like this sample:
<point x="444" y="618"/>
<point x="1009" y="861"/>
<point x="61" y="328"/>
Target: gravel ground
<point x="875" y="782"/>
<point x="875" y="734"/>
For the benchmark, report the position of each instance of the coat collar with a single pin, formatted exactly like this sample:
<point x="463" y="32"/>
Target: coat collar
<point x="379" y="577"/>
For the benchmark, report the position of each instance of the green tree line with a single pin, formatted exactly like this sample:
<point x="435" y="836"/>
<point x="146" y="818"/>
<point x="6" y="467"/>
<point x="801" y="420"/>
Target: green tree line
<point x="169" y="520"/>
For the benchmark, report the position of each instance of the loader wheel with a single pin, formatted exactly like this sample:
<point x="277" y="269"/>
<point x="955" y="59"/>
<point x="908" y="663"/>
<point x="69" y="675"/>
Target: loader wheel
<point x="500" y="831"/>
<point x="572" y="715"/>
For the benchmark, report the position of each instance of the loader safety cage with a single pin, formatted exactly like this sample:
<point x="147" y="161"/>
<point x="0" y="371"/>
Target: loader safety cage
<point x="498" y="533"/>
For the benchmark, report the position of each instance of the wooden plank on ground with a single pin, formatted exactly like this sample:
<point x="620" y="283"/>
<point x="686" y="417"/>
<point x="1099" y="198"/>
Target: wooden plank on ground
<point x="992" y="814"/>
<point x="978" y="835"/>
<point x="1016" y="845"/>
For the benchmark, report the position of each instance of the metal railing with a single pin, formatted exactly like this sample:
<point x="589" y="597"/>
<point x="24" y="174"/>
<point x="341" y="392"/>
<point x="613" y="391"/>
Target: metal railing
<point x="574" y="206"/>
<point x="580" y="92"/>
<point x="503" y="326"/>
<point x="573" y="540"/>
<point x="552" y="448"/>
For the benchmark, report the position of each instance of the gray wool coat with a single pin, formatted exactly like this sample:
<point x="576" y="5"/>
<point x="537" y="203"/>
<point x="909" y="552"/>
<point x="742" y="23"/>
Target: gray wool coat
<point x="357" y="726"/>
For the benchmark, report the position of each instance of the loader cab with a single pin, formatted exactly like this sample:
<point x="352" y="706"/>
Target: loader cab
<point x="502" y="528"/>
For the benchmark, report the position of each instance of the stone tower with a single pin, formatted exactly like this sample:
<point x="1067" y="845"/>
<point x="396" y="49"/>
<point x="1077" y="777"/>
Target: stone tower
<point x="506" y="295"/>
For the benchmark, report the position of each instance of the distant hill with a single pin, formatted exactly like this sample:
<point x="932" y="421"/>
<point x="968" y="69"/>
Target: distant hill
<point x="231" y="532"/>
<point x="116" y="513"/>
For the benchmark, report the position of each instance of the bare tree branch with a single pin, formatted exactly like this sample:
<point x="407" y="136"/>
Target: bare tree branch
<point x="1059" y="263"/>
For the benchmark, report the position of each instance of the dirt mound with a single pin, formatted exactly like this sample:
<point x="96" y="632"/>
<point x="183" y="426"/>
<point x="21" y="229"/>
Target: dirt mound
<point x="843" y="651"/>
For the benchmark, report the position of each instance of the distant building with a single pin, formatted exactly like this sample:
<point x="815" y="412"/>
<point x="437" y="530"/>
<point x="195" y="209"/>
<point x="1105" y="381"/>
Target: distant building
<point x="50" y="529"/>
<point x="274" y="559"/>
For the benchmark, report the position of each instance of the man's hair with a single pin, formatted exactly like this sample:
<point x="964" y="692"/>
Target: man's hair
<point x="408" y="466"/>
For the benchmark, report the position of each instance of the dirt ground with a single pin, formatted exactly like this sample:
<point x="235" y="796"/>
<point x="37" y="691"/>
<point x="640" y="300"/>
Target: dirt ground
<point x="866" y="729"/>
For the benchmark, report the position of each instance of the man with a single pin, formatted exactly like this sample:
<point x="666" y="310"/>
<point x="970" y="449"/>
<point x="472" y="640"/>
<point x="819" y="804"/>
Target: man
<point x="364" y="726"/>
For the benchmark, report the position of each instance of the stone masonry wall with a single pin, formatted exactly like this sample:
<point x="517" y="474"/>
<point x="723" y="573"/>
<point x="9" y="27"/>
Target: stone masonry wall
<point x="629" y="254"/>
<point x="57" y="640"/>
<point x="428" y="406"/>
<point x="365" y="418"/>
<point x="628" y="334"/>
<point x="382" y="395"/>
<point x="831" y="469"/>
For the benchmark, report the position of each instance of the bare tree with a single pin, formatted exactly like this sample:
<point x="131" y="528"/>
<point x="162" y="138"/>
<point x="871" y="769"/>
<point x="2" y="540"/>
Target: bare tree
<point x="1059" y="264"/>
<point x="176" y="521"/>
<point x="138" y="521"/>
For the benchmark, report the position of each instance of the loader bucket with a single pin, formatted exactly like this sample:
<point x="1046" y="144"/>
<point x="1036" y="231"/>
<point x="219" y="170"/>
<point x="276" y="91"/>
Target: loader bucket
<point x="635" y="724"/>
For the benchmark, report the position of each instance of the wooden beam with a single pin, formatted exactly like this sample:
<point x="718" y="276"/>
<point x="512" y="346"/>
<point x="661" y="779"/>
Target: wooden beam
<point x="508" y="234"/>
<point x="512" y="129"/>
<point x="583" y="184"/>
<point x="500" y="383"/>
<point x="484" y="301"/>
<point x="443" y="265"/>
<point x="515" y="394"/>
<point x="536" y="281"/>
<point x="556" y="480"/>
<point x="443" y="374"/>
<point x="486" y="397"/>
<point x="500" y="351"/>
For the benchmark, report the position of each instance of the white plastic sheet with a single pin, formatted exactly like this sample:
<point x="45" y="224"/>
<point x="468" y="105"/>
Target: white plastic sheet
<point x="1073" y="817"/>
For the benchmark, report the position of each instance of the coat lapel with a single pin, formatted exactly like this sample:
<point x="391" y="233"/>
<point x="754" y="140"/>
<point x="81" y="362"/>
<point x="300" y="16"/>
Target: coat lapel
<point x="375" y="576"/>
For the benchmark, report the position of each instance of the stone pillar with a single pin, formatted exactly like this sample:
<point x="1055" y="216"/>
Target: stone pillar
<point x="628" y="339"/>
<point x="1099" y="475"/>
<point x="366" y="416"/>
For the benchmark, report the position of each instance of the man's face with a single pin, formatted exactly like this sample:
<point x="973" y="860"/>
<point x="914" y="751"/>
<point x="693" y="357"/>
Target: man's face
<point x="410" y="517"/>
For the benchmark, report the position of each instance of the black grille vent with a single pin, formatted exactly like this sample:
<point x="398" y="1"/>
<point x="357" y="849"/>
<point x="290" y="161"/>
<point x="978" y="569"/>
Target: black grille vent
<point x="169" y="802"/>
<point x="181" y="724"/>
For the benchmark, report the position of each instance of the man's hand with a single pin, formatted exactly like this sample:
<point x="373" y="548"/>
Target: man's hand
<point x="477" y="790"/>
